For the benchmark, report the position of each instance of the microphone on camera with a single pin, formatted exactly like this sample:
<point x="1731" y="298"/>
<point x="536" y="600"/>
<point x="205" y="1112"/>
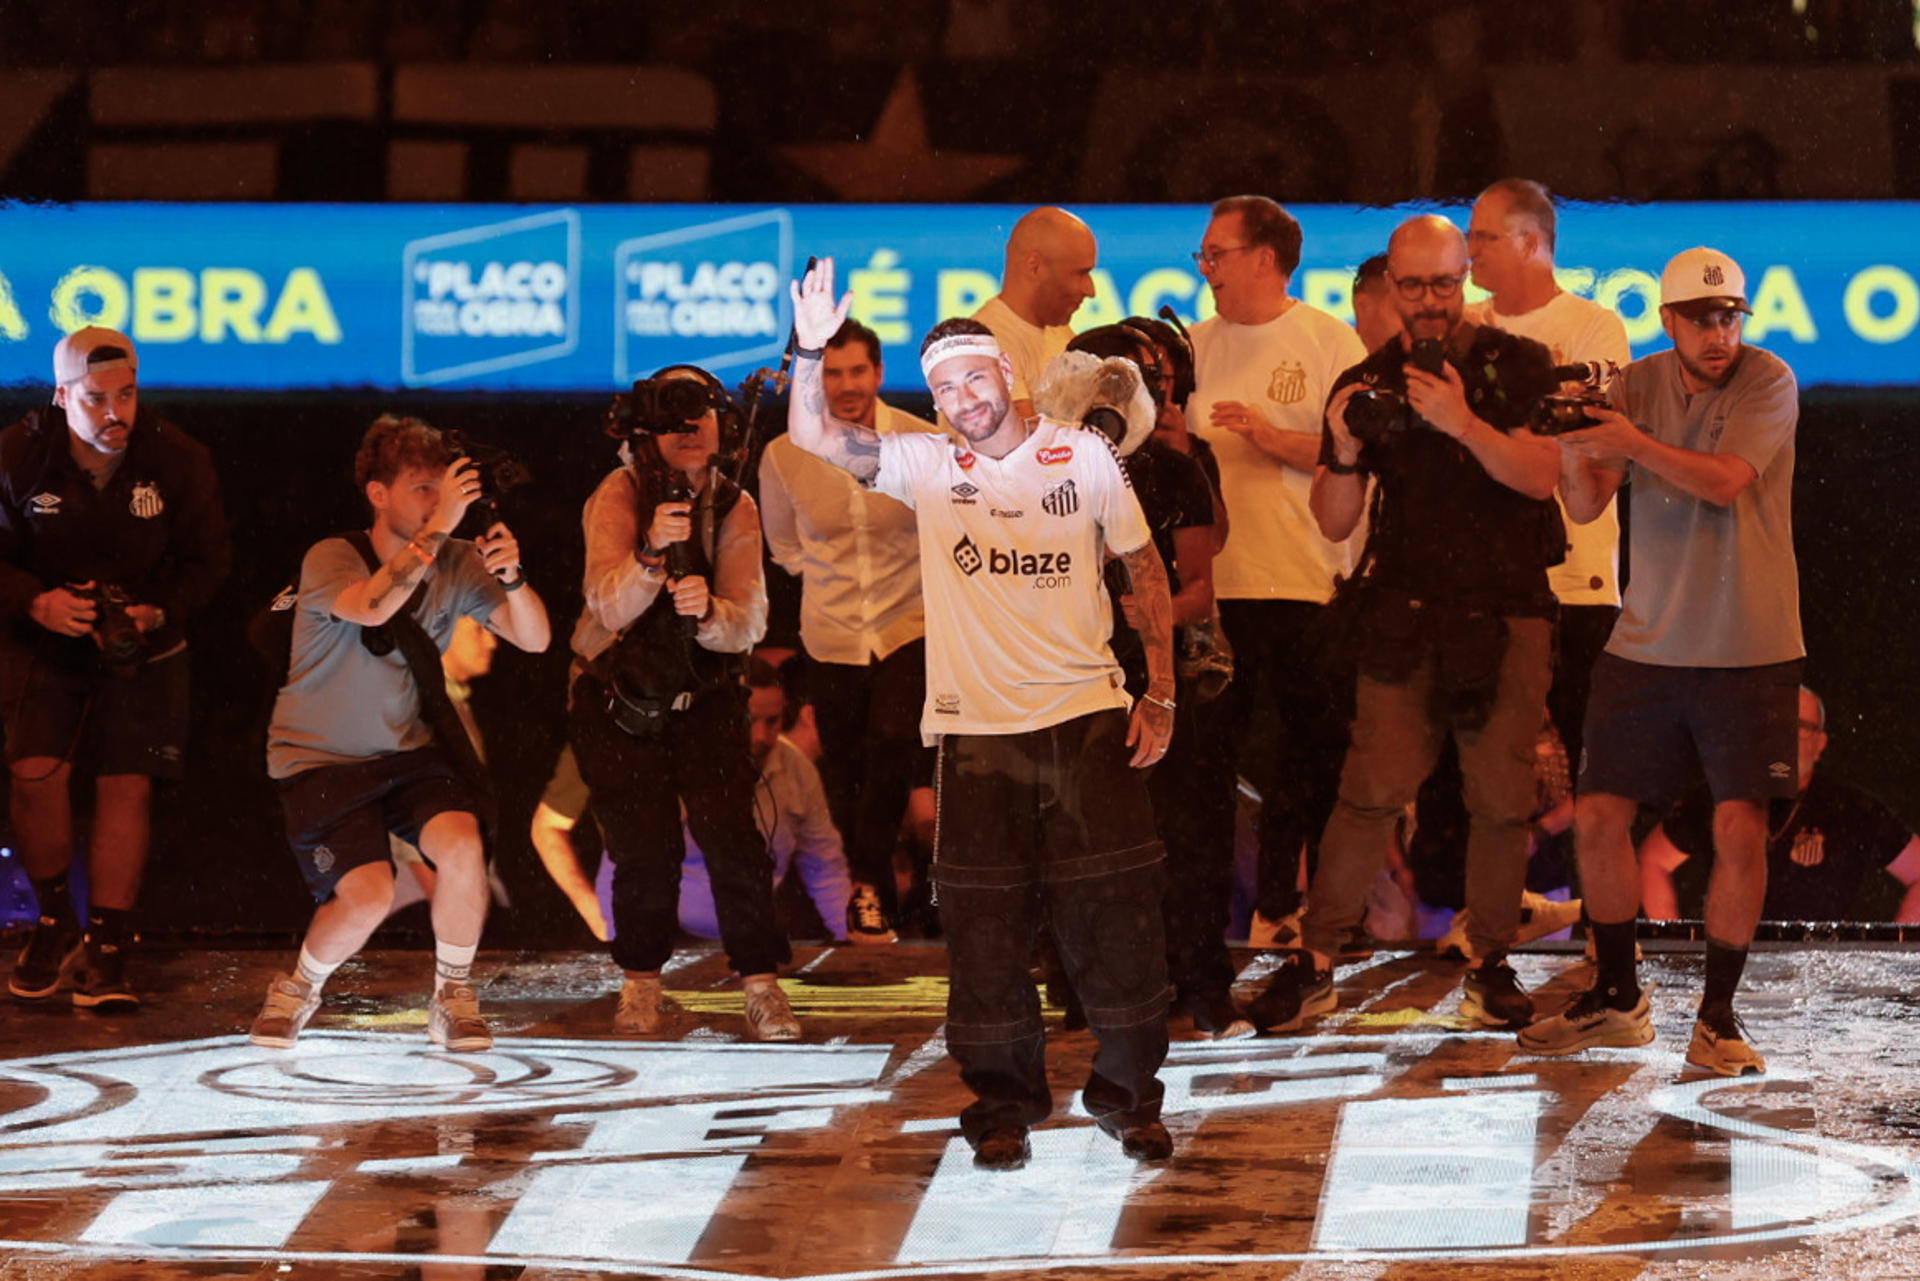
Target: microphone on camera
<point x="1592" y="373"/>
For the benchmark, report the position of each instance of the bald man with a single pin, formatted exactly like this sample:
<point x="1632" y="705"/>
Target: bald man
<point x="1454" y="614"/>
<point x="1051" y="255"/>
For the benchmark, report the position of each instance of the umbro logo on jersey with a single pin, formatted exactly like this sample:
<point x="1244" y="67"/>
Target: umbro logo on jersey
<point x="45" y="504"/>
<point x="1061" y="499"/>
<point x="946" y="704"/>
<point x="963" y="493"/>
<point x="1054" y="455"/>
<point x="1780" y="769"/>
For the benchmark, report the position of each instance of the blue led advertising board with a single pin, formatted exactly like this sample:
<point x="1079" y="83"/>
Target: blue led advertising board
<point x="274" y="298"/>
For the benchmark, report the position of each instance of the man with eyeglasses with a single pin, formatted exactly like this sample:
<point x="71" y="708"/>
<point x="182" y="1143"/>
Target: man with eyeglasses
<point x="1263" y="367"/>
<point x="1451" y="631"/>
<point x="1704" y="663"/>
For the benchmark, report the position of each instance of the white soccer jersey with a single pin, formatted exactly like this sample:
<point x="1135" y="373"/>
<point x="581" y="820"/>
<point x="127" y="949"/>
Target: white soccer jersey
<point x="1018" y="617"/>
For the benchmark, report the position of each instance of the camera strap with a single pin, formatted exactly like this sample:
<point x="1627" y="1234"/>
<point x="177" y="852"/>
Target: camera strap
<point x="430" y="678"/>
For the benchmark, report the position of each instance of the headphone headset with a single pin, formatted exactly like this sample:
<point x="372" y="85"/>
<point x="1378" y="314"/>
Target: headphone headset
<point x="1108" y="340"/>
<point x="1179" y="349"/>
<point x="727" y="413"/>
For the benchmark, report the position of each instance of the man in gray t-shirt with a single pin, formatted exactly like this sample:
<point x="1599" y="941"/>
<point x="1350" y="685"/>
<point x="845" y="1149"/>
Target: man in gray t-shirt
<point x="1702" y="670"/>
<point x="349" y="746"/>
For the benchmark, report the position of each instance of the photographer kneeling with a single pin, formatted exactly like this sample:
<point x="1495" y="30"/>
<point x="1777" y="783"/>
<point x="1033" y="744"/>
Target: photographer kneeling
<point x="675" y="597"/>
<point x="1451" y="613"/>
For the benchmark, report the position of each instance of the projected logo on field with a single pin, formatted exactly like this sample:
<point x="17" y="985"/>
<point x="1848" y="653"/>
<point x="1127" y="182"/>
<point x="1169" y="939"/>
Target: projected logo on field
<point x="585" y="1156"/>
<point x="713" y="295"/>
<point x="491" y="298"/>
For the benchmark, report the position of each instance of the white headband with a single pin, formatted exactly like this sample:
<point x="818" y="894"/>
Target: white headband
<point x="958" y="345"/>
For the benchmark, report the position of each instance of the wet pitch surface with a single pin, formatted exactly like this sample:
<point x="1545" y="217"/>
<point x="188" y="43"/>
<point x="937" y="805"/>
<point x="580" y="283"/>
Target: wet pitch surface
<point x="1389" y="1142"/>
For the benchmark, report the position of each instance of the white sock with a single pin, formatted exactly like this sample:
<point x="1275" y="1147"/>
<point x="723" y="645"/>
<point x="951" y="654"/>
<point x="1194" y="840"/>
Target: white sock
<point x="313" y="971"/>
<point x="452" y="963"/>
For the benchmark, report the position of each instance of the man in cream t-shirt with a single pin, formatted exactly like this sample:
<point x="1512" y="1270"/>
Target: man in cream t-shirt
<point x="1049" y="273"/>
<point x="1043" y="808"/>
<point x="1263" y="368"/>
<point x="1511" y="243"/>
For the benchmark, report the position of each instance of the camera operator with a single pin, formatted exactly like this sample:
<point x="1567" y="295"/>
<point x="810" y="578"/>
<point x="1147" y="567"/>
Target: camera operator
<point x="363" y="744"/>
<point x="1703" y="667"/>
<point x="1177" y="499"/>
<point x="111" y="539"/>
<point x="675" y="598"/>
<point x="1453" y="614"/>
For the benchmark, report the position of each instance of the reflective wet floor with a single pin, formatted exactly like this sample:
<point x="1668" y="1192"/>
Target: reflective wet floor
<point x="1391" y="1141"/>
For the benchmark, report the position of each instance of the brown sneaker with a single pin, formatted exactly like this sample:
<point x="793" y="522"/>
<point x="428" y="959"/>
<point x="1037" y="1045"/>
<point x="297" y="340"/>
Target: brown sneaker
<point x="453" y="1020"/>
<point x="290" y="1003"/>
<point x="769" y="1017"/>
<point x="643" y="1008"/>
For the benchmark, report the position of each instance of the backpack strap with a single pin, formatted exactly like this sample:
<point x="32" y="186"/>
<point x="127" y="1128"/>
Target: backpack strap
<point x="405" y="631"/>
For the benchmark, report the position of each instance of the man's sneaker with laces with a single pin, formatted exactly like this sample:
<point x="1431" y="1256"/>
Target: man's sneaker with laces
<point x="1591" y="1023"/>
<point x="51" y="950"/>
<point x="1494" y="997"/>
<point x="1720" y="1045"/>
<point x="1296" y="992"/>
<point x="643" y="1008"/>
<point x="453" y="1020"/>
<point x="1003" y="1148"/>
<point x="769" y="1017"/>
<point x="1268" y="933"/>
<point x="1541" y="916"/>
<point x="101" y="981"/>
<point x="290" y="1003"/>
<point x="867" y="918"/>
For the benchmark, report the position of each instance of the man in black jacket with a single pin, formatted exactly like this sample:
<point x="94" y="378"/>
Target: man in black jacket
<point x="1454" y="632"/>
<point x="111" y="539"/>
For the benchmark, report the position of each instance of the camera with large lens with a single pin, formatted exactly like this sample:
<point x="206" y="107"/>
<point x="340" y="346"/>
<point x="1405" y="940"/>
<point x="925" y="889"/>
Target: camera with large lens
<point x="1564" y="411"/>
<point x="499" y="474"/>
<point x="122" y="644"/>
<point x="1376" y="413"/>
<point x="660" y="407"/>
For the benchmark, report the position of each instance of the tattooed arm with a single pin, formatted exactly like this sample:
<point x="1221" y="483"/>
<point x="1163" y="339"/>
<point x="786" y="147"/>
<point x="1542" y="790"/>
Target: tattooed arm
<point x="1152" y="727"/>
<point x="816" y="318"/>
<point x="372" y="601"/>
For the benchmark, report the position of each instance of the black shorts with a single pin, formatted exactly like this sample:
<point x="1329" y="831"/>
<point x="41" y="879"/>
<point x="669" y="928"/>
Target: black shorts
<point x="1651" y="731"/>
<point x="339" y="816"/>
<point x="1048" y="805"/>
<point x="131" y="724"/>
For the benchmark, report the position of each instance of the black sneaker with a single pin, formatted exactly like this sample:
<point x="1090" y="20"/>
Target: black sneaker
<point x="1003" y="1148"/>
<point x="101" y="983"/>
<point x="867" y="918"/>
<point x="44" y="961"/>
<point x="1296" y="992"/>
<point x="1494" y="997"/>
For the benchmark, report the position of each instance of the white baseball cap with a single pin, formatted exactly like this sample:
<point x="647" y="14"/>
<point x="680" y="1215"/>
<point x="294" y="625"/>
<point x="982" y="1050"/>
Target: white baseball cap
<point x="1701" y="280"/>
<point x="83" y="352"/>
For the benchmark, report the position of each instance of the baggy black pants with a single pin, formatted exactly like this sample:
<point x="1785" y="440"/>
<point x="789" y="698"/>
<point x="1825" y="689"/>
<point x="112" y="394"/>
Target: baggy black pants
<point x="1051" y="823"/>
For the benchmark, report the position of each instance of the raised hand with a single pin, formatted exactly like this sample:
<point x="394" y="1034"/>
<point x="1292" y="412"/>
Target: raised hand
<point x="816" y="316"/>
